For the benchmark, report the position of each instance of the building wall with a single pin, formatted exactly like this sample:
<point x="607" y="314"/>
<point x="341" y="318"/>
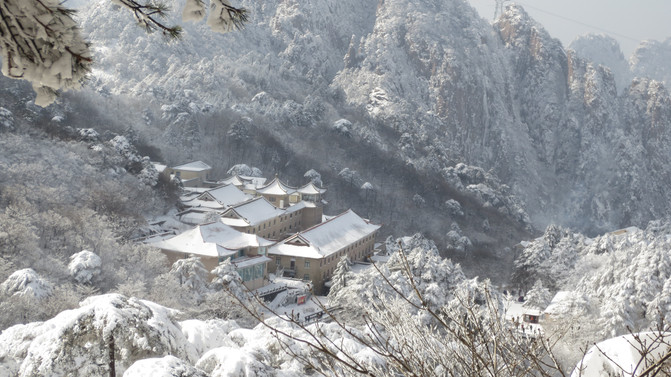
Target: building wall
<point x="279" y="201"/>
<point x="186" y="175"/>
<point x="321" y="270"/>
<point x="277" y="227"/>
<point x="311" y="217"/>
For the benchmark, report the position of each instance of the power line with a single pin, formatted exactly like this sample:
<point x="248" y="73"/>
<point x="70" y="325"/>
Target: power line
<point x="580" y="22"/>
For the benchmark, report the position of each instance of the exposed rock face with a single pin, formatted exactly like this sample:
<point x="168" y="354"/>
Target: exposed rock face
<point x="651" y="59"/>
<point x="604" y="50"/>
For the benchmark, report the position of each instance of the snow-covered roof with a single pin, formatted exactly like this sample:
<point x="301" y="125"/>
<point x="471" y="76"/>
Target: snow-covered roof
<point x="326" y="238"/>
<point x="276" y="187"/>
<point x="256" y="181"/>
<point x="623" y="354"/>
<point x="234" y="222"/>
<point x="300" y="205"/>
<point x="559" y="302"/>
<point x="218" y="198"/>
<point x="254" y="211"/>
<point x="233" y="180"/>
<point x="311" y="189"/>
<point x="228" y="195"/>
<point x="193" y="166"/>
<point x="191" y="191"/>
<point x="159" y="167"/>
<point x="532" y="311"/>
<point x="243" y="180"/>
<point x="214" y="240"/>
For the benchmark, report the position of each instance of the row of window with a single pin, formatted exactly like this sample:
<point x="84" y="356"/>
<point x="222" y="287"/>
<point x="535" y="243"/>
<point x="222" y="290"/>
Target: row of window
<point x="326" y="274"/>
<point x="342" y="252"/>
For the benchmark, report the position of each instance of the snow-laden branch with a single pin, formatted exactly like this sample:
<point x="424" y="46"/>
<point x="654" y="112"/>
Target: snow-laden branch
<point x="42" y="43"/>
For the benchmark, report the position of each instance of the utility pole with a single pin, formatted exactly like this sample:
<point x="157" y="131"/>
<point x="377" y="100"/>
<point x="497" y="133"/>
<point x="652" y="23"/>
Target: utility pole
<point x="500" y="6"/>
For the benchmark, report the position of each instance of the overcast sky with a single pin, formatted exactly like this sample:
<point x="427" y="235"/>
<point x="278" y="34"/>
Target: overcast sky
<point x="628" y="21"/>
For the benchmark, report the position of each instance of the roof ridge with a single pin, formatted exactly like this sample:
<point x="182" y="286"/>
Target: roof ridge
<point x="327" y="221"/>
<point x="249" y="201"/>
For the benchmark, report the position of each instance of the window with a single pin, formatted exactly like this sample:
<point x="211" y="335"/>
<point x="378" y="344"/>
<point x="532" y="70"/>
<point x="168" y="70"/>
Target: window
<point x="278" y="261"/>
<point x="306" y="277"/>
<point x="272" y="198"/>
<point x="307" y="264"/>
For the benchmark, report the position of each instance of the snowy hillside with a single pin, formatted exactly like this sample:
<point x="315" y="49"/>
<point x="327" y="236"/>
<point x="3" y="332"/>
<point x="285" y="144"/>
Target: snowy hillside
<point x="619" y="281"/>
<point x="426" y="84"/>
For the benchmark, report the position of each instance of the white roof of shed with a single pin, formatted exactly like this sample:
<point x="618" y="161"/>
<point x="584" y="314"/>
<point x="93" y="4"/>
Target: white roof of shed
<point x="193" y="166"/>
<point x="213" y="239"/>
<point x="159" y="167"/>
<point x="326" y="238"/>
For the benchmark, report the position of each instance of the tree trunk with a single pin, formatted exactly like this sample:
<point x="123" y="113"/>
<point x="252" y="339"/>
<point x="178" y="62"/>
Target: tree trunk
<point x="110" y="345"/>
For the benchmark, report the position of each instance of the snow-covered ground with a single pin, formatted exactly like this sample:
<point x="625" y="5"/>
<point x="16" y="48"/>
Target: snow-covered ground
<point x="515" y="312"/>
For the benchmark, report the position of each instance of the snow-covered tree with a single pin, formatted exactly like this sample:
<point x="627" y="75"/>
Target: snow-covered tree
<point x="244" y="169"/>
<point x="340" y="277"/>
<point x="227" y="277"/>
<point x="104" y="332"/>
<point x="41" y="43"/>
<point x="26" y="283"/>
<point x="538" y="297"/>
<point x="191" y="273"/>
<point x="454" y="208"/>
<point x="456" y="240"/>
<point x="314" y="177"/>
<point x="84" y="266"/>
<point x="166" y="366"/>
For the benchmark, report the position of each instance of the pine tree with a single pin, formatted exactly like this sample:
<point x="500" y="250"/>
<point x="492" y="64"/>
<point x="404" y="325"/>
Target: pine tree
<point x="340" y="276"/>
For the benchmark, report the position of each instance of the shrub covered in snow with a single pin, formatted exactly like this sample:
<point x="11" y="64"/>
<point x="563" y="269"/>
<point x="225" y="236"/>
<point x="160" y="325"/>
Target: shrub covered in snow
<point x="342" y="126"/>
<point x="26" y="283"/>
<point x="243" y="169"/>
<point x="84" y="266"/>
<point x="167" y="366"/>
<point x="314" y="177"/>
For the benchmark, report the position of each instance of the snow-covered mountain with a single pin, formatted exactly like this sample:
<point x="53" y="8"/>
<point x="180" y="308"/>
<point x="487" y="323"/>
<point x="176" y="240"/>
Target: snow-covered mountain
<point x="425" y="85"/>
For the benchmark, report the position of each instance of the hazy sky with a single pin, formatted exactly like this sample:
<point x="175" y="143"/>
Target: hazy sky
<point x="628" y="21"/>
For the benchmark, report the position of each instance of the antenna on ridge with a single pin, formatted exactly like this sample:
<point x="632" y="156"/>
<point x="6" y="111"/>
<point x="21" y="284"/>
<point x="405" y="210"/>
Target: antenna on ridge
<point x="498" y="10"/>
